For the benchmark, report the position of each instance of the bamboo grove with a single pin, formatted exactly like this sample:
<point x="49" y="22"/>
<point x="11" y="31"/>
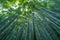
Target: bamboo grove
<point x="29" y="19"/>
